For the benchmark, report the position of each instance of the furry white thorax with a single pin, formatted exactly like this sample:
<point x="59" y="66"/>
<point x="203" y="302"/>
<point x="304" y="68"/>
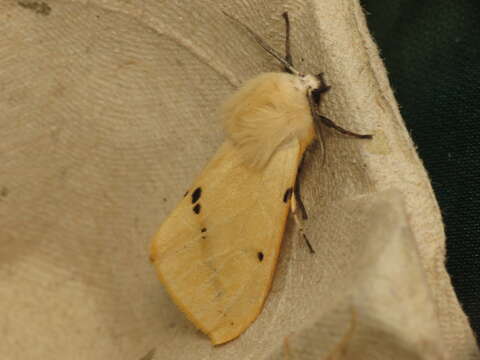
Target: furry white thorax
<point x="268" y="112"/>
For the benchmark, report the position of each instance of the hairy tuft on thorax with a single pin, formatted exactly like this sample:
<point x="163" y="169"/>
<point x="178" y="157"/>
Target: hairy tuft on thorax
<point x="267" y="112"/>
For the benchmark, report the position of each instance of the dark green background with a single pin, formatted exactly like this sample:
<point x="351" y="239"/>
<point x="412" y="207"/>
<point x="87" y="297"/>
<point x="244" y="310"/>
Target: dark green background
<point x="431" y="51"/>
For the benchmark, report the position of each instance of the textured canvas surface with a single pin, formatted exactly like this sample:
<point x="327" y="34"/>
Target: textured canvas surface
<point x="108" y="113"/>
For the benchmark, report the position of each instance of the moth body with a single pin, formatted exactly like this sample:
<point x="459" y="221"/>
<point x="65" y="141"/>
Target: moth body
<point x="216" y="253"/>
<point x="268" y="112"/>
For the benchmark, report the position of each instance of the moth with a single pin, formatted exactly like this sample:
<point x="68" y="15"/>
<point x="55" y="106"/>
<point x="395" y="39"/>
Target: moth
<point x="216" y="253"/>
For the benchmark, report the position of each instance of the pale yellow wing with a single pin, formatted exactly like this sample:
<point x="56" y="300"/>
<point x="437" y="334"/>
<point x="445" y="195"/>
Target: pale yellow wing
<point x="216" y="253"/>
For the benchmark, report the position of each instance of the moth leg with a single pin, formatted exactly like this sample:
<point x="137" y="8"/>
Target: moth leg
<point x="298" y="221"/>
<point x="297" y="192"/>
<point x="318" y="118"/>
<point x="288" y="54"/>
<point x="330" y="123"/>
<point x="316" y="123"/>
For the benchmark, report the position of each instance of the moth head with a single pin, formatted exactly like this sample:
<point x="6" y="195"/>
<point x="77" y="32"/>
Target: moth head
<point x="314" y="85"/>
<point x="320" y="89"/>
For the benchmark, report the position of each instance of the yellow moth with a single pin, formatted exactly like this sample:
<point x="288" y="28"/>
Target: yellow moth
<point x="216" y="253"/>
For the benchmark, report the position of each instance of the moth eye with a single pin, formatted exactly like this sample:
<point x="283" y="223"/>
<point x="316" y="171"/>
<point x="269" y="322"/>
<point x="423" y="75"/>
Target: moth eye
<point x="260" y="256"/>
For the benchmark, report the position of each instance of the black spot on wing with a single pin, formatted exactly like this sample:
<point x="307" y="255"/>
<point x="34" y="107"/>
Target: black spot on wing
<point x="287" y="195"/>
<point x="196" y="195"/>
<point x="204" y="230"/>
<point x="260" y="256"/>
<point x="186" y="193"/>
<point x="196" y="209"/>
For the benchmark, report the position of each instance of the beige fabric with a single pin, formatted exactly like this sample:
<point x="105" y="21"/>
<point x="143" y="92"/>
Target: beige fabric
<point x="108" y="114"/>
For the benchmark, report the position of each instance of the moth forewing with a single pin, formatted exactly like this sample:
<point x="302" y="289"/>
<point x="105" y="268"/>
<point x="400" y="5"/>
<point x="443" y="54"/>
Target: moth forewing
<point x="218" y="264"/>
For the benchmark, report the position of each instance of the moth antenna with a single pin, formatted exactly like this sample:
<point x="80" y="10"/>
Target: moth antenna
<point x="288" y="54"/>
<point x="265" y="46"/>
